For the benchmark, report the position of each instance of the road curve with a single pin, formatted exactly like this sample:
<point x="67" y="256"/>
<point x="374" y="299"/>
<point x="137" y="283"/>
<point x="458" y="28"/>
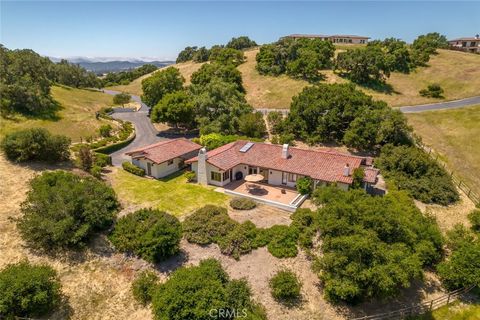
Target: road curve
<point x="145" y="132"/>
<point x="442" y="105"/>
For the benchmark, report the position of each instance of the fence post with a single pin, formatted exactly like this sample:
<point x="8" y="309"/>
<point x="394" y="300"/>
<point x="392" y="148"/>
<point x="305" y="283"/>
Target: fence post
<point x="431" y="305"/>
<point x="448" y="299"/>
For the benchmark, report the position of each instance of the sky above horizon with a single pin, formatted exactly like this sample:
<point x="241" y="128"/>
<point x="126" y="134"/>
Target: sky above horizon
<point x="159" y="29"/>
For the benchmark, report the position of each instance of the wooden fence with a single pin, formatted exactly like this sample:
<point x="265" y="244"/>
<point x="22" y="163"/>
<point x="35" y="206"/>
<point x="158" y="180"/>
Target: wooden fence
<point x="419" y="308"/>
<point x="471" y="194"/>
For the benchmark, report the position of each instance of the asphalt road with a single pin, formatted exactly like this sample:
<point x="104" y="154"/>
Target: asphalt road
<point x="442" y="105"/>
<point x="145" y="132"/>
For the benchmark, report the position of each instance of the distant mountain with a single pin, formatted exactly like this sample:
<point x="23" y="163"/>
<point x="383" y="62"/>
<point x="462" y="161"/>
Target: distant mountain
<point x="103" y="65"/>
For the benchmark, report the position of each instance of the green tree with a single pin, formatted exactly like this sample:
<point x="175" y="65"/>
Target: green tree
<point x="252" y="125"/>
<point x="64" y="210"/>
<point x="241" y="43"/>
<point x="161" y="83"/>
<point x="28" y="290"/>
<point x="201" y="55"/>
<point x="176" y="108"/>
<point x="85" y="157"/>
<point x="186" y="54"/>
<point x="310" y="58"/>
<point x="35" y="144"/>
<point x="211" y="71"/>
<point x="274" y="119"/>
<point x="430" y="42"/>
<point x="149" y="233"/>
<point x="397" y="54"/>
<point x="227" y="56"/>
<point x="122" y="98"/>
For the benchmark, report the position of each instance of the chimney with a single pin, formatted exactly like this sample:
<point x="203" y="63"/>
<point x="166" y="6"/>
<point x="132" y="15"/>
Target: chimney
<point x="346" y="170"/>
<point x="285" y="151"/>
<point x="202" y="167"/>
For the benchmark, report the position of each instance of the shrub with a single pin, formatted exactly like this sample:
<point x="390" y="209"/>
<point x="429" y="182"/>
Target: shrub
<point x="190" y="176"/>
<point x="122" y="98"/>
<point x="462" y="269"/>
<point x="143" y="287"/>
<point x="193" y="292"/>
<point x="96" y="171"/>
<point x="304" y="220"/>
<point x="35" y="144"/>
<point x="459" y="236"/>
<point x="242" y="204"/>
<point x="101" y="160"/>
<point x="28" y="290"/>
<point x="85" y="158"/>
<point x="411" y="169"/>
<point x="252" y="125"/>
<point x="207" y="224"/>
<point x="214" y="140"/>
<point x="128" y="166"/>
<point x="149" y="233"/>
<point x="64" y="210"/>
<point x="241" y="240"/>
<point x="282" y="241"/>
<point x="105" y="130"/>
<point x="432" y="91"/>
<point x="304" y="185"/>
<point x="274" y="120"/>
<point x="287" y="138"/>
<point x="474" y="218"/>
<point x="285" y="286"/>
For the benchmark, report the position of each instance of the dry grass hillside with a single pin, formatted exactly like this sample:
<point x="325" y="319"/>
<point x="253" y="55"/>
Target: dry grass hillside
<point x="458" y="73"/>
<point x="75" y="117"/>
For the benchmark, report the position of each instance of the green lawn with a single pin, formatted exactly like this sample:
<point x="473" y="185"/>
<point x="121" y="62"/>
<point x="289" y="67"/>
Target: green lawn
<point x="455" y="135"/>
<point x="454" y="311"/>
<point x="75" y="117"/>
<point x="172" y="194"/>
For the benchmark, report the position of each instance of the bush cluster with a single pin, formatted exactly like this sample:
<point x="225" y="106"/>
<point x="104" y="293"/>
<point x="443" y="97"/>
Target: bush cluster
<point x="125" y="77"/>
<point x="432" y="91"/>
<point x="285" y="286"/>
<point x="214" y="140"/>
<point x="368" y="239"/>
<point x="143" y="287"/>
<point x="242" y="204"/>
<point x="107" y="144"/>
<point x="151" y="234"/>
<point x="35" y="144"/>
<point x="128" y="166"/>
<point x="211" y="224"/>
<point x="474" y="218"/>
<point x="304" y="185"/>
<point x="411" y="169"/>
<point x="193" y="292"/>
<point x="28" y="290"/>
<point x="190" y="176"/>
<point x="64" y="210"/>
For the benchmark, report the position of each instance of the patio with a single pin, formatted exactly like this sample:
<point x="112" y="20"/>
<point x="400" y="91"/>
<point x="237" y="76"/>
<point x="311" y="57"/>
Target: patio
<point x="278" y="196"/>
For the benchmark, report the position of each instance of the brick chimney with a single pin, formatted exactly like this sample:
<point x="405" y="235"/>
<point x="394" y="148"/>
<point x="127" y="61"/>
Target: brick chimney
<point x="285" y="151"/>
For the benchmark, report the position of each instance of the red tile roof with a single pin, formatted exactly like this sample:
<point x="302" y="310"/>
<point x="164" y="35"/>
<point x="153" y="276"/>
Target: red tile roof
<point x="165" y="150"/>
<point x="320" y="165"/>
<point x="371" y="175"/>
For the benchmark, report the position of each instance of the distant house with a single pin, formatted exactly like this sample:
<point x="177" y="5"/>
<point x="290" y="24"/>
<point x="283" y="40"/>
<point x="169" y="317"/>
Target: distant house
<point x="279" y="165"/>
<point x="337" y="38"/>
<point x="164" y="158"/>
<point x="466" y="44"/>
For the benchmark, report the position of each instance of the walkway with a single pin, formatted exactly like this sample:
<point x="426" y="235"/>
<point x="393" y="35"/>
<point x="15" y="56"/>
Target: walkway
<point x="145" y="132"/>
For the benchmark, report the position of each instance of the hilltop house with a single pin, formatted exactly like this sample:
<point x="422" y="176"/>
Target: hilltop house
<point x="466" y="44"/>
<point x="279" y="165"/>
<point x="337" y="38"/>
<point x="164" y="158"/>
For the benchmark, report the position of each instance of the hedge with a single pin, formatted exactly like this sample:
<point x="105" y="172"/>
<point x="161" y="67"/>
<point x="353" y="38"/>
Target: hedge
<point x="116" y="146"/>
<point x="242" y="204"/>
<point x="127" y="166"/>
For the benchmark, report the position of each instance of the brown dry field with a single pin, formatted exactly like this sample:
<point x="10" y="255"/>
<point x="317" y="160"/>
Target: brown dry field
<point x="97" y="282"/>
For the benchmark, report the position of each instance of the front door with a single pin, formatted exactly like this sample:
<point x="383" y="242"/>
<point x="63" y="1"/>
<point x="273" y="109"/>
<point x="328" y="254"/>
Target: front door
<point x="149" y="169"/>
<point x="264" y="173"/>
<point x="284" y="177"/>
<point x="252" y="170"/>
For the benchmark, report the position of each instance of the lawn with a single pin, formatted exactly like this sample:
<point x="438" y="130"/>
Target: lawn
<point x="75" y="118"/>
<point x="454" y="311"/>
<point x="455" y="135"/>
<point x="135" y="87"/>
<point x="172" y="194"/>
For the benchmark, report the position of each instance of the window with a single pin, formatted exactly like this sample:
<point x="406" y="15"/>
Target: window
<point x="216" y="176"/>
<point x="252" y="170"/>
<point x="292" y="177"/>
<point x="226" y="175"/>
<point x="169" y="162"/>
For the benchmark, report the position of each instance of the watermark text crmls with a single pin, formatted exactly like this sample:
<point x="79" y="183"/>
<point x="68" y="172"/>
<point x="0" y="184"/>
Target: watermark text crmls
<point x="227" y="313"/>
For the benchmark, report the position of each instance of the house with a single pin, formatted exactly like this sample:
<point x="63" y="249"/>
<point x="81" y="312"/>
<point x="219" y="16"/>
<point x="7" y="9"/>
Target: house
<point x="337" y="38"/>
<point x="279" y="165"/>
<point x="466" y="44"/>
<point x="164" y="158"/>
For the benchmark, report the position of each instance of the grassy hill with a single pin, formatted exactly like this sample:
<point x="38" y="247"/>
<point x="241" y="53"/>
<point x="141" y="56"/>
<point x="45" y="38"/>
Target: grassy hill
<point x="454" y="134"/>
<point x="457" y="72"/>
<point x="75" y="119"/>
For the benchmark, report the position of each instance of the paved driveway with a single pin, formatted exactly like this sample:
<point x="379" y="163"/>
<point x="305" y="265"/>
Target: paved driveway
<point x="145" y="132"/>
<point x="442" y="105"/>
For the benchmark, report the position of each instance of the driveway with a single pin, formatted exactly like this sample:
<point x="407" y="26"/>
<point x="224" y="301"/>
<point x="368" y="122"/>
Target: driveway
<point x="145" y="132"/>
<point x="442" y="105"/>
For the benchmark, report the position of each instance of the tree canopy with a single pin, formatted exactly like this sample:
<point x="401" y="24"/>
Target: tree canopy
<point x="372" y="246"/>
<point x="63" y="210"/>
<point x="241" y="43"/>
<point x="122" y="98"/>
<point x="209" y="71"/>
<point x="161" y="83"/>
<point x="175" y="108"/>
<point x="125" y="77"/>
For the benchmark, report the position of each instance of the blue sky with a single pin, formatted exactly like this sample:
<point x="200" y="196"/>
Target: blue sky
<point x="161" y="29"/>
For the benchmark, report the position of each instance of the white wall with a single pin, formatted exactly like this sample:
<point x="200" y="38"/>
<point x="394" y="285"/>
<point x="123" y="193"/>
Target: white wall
<point x="158" y="170"/>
